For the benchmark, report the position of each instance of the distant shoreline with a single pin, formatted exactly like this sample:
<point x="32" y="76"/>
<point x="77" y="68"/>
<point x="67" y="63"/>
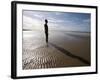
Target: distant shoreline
<point x="57" y="31"/>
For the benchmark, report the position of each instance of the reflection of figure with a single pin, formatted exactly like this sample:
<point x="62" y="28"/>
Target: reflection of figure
<point x="46" y="30"/>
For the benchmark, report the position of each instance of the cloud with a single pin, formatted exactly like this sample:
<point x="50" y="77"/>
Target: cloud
<point x="86" y="20"/>
<point x="53" y="20"/>
<point x="27" y="21"/>
<point x="58" y="13"/>
<point x="56" y="20"/>
<point x="30" y="23"/>
<point x="38" y="15"/>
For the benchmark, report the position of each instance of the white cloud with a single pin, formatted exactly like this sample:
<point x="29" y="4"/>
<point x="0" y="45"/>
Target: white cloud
<point x="38" y="16"/>
<point x="27" y="21"/>
<point x="57" y="21"/>
<point x="58" y="13"/>
<point x="30" y="23"/>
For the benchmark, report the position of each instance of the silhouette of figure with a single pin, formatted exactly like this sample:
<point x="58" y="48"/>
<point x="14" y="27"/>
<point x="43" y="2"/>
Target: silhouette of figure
<point x="46" y="30"/>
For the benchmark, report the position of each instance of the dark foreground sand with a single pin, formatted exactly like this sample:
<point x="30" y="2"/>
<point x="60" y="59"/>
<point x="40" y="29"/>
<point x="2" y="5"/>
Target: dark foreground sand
<point x="65" y="49"/>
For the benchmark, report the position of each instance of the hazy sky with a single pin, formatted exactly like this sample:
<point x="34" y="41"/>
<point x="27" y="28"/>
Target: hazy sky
<point x="56" y="20"/>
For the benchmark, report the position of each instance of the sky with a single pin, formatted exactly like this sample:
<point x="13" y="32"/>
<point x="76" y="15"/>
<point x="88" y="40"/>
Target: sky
<point x="64" y="21"/>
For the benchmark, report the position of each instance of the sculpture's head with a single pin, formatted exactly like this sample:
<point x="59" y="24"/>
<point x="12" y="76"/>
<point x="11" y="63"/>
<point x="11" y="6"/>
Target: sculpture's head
<point x="46" y="21"/>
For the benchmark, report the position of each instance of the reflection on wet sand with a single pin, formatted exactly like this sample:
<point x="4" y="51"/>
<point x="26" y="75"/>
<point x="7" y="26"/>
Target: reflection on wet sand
<point x="65" y="49"/>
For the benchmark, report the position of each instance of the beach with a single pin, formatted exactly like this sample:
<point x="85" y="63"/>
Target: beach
<point x="65" y="49"/>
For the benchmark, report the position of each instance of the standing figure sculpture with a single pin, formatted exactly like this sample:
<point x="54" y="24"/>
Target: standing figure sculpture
<point x="46" y="30"/>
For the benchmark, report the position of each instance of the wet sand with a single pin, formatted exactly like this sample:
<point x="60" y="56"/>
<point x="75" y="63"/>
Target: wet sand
<point x="65" y="49"/>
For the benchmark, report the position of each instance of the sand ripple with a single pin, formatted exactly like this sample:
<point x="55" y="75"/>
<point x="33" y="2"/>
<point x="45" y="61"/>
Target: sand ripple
<point x="46" y="57"/>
